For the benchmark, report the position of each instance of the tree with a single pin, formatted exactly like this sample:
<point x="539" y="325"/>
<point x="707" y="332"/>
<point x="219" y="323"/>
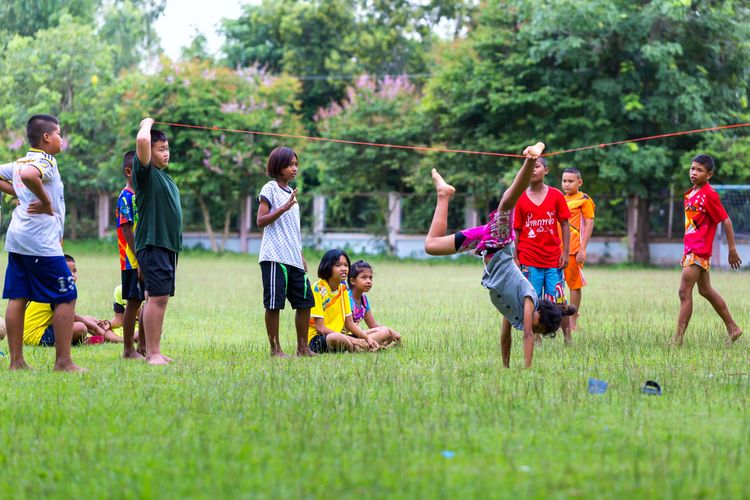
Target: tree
<point x="329" y="44"/>
<point x="580" y="73"/>
<point x="41" y="75"/>
<point x="382" y="112"/>
<point x="216" y="169"/>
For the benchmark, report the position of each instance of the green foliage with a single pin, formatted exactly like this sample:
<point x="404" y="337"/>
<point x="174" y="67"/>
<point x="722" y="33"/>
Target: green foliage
<point x="216" y="168"/>
<point x="576" y="73"/>
<point x="339" y="38"/>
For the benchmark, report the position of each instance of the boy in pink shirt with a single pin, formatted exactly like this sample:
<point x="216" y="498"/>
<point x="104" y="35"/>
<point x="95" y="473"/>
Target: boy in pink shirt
<point x="539" y="252"/>
<point x="703" y="212"/>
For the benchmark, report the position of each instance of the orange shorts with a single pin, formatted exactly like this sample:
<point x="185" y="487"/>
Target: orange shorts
<point x="574" y="274"/>
<point x="692" y="259"/>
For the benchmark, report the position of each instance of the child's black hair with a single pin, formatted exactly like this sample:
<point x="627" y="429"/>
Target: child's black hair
<point x="278" y="160"/>
<point x="543" y="161"/>
<point x="69" y="258"/>
<point x="572" y="170"/>
<point x="331" y="257"/>
<point x="158" y="136"/>
<point x="37" y="126"/>
<point x="550" y="315"/>
<point x="356" y="269"/>
<point x="127" y="161"/>
<point x="706" y="161"/>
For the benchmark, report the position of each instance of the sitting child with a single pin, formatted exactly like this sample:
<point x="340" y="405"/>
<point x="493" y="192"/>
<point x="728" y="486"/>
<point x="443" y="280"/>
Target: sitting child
<point x="332" y="313"/>
<point x="113" y="326"/>
<point x="360" y="281"/>
<point x="38" y="317"/>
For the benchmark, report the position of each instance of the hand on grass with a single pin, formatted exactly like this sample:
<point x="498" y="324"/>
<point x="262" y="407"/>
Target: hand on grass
<point x="372" y="344"/>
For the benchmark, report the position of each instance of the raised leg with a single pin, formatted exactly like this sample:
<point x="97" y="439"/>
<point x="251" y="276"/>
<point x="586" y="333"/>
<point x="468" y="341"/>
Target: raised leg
<point x="437" y="243"/>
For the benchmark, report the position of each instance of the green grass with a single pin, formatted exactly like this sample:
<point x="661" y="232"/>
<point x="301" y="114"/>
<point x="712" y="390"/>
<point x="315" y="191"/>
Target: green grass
<point x="226" y="421"/>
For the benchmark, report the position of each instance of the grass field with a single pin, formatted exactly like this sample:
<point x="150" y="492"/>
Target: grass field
<point x="437" y="417"/>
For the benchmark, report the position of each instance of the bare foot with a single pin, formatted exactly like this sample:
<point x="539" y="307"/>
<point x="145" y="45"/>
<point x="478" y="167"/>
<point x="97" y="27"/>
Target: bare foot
<point x="68" y="366"/>
<point x="19" y="365"/>
<point x="676" y="341"/>
<point x="534" y="151"/>
<point x="166" y="358"/>
<point x="132" y="355"/>
<point x="734" y="334"/>
<point x="279" y="354"/>
<point x="156" y="359"/>
<point x="306" y="353"/>
<point x="442" y="187"/>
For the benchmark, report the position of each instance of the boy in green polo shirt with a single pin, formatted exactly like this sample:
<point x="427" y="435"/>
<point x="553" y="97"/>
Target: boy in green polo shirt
<point x="158" y="239"/>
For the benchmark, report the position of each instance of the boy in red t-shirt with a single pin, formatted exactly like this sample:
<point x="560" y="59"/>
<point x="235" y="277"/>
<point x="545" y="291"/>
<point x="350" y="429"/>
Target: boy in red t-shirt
<point x="703" y="212"/>
<point x="538" y="252"/>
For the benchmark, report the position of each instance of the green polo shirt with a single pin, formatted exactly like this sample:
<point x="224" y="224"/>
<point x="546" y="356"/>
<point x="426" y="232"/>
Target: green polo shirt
<point x="160" y="214"/>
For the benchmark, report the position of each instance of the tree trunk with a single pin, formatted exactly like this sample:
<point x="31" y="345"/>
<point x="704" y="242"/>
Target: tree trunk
<point x="207" y="221"/>
<point x="638" y="229"/>
<point x="227" y="221"/>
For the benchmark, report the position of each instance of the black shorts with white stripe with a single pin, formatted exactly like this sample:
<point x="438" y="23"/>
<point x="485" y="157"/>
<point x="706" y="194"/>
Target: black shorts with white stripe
<point x="282" y="282"/>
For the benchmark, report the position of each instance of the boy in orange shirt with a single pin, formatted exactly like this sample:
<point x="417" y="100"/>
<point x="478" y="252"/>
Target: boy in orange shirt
<point x="581" y="226"/>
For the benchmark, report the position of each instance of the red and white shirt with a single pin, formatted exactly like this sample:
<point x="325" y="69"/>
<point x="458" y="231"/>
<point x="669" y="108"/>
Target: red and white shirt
<point x="703" y="212"/>
<point x="538" y="240"/>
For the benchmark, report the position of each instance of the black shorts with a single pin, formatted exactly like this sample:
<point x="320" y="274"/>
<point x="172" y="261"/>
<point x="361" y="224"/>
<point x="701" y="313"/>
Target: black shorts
<point x="318" y="344"/>
<point x="132" y="289"/>
<point x="283" y="282"/>
<point x="158" y="266"/>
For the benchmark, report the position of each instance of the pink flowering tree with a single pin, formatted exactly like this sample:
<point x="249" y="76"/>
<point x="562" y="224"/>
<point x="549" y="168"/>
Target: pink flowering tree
<point x="385" y="112"/>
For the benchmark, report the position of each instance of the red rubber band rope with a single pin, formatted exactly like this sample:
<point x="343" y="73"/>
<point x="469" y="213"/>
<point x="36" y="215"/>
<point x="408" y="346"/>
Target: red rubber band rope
<point x="443" y="150"/>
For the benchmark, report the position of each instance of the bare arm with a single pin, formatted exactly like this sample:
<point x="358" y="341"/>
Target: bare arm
<point x="506" y="341"/>
<point x="92" y="325"/>
<point x="528" y="333"/>
<point x="143" y="141"/>
<point x="516" y="235"/>
<point x="370" y="320"/>
<point x="521" y="181"/>
<point x="588" y="230"/>
<point x="321" y="328"/>
<point x="32" y="179"/>
<point x="7" y="188"/>
<point x="265" y="217"/>
<point x="565" y="227"/>
<point x="734" y="257"/>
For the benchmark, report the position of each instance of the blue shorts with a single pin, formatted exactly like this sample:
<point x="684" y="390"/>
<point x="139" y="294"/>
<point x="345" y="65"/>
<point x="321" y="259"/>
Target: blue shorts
<point x="41" y="279"/>
<point x="547" y="282"/>
<point x="48" y="337"/>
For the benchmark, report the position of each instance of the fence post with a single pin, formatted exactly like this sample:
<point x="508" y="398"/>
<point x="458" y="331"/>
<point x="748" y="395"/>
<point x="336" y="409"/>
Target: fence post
<point x="394" y="220"/>
<point x="246" y="209"/>
<point x="319" y="218"/>
<point x="471" y="215"/>
<point x="102" y="209"/>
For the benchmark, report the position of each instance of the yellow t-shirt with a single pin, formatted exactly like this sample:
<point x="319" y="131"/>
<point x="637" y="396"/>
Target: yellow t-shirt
<point x="37" y="318"/>
<point x="332" y="306"/>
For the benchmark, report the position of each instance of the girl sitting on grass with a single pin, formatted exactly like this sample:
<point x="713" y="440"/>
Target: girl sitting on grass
<point x="332" y="313"/>
<point x="510" y="293"/>
<point x="360" y="281"/>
